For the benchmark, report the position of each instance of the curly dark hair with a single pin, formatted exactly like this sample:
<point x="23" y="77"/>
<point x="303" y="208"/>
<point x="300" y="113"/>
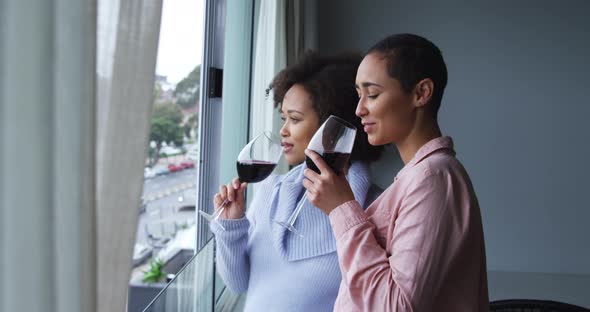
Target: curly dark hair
<point x="330" y="82"/>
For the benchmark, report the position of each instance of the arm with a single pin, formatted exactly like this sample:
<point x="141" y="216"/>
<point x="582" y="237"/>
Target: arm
<point x="409" y="278"/>
<point x="231" y="244"/>
<point x="231" y="253"/>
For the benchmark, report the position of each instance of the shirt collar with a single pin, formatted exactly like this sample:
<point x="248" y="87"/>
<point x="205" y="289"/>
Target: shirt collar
<point x="432" y="146"/>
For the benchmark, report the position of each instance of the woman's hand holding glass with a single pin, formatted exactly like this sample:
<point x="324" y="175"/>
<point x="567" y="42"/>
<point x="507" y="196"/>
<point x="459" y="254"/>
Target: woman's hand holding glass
<point x="255" y="163"/>
<point x="334" y="140"/>
<point x="326" y="190"/>
<point x="231" y="197"/>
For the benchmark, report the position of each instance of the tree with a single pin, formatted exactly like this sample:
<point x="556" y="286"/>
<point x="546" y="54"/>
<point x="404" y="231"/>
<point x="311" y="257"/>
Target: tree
<point x="165" y="127"/>
<point x="165" y="130"/>
<point x="169" y="111"/>
<point x="157" y="90"/>
<point x="190" y="124"/>
<point x="187" y="90"/>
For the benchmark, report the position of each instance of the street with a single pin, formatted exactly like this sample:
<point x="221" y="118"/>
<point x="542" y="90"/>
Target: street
<point x="163" y="197"/>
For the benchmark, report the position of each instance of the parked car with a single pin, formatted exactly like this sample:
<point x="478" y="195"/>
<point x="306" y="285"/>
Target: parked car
<point x="174" y="168"/>
<point x="148" y="173"/>
<point x="187" y="164"/>
<point x="192" y="155"/>
<point x="141" y="253"/>
<point x="170" y="151"/>
<point x="160" y="170"/>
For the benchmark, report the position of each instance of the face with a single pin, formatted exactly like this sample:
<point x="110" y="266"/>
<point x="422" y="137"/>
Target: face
<point x="300" y="122"/>
<point x="387" y="112"/>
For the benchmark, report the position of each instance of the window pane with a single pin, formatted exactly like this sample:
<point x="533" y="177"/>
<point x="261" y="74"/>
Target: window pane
<point x="166" y="235"/>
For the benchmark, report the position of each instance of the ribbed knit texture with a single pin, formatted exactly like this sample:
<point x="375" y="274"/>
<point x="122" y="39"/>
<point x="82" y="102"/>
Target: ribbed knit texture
<point x="279" y="270"/>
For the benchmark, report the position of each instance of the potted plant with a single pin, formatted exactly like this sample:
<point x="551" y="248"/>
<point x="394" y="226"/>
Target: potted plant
<point x="155" y="274"/>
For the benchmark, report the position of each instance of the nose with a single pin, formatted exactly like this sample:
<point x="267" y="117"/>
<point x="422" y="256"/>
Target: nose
<point x="284" y="132"/>
<point x="361" y="110"/>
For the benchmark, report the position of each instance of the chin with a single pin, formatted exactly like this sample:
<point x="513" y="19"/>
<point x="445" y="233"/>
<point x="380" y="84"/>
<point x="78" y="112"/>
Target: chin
<point x="373" y="140"/>
<point x="291" y="161"/>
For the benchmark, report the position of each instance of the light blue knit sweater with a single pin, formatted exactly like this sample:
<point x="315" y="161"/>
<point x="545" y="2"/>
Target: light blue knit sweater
<point x="279" y="270"/>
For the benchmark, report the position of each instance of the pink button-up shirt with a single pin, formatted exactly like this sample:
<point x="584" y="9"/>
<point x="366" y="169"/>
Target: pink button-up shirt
<point x="419" y="246"/>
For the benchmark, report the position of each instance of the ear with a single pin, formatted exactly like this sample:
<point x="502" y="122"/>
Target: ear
<point x="423" y="92"/>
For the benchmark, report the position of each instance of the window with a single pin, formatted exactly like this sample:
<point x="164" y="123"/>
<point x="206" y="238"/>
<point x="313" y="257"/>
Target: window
<point x="166" y="235"/>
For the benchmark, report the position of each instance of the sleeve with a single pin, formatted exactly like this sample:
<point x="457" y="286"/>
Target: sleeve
<point x="231" y="254"/>
<point x="409" y="278"/>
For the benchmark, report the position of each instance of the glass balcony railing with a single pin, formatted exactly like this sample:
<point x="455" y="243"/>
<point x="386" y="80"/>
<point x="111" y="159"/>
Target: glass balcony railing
<point x="191" y="289"/>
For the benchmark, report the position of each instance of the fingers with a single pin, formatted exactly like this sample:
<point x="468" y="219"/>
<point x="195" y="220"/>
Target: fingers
<point x="309" y="186"/>
<point x="220" y="197"/>
<point x="235" y="190"/>
<point x="241" y="190"/>
<point x="231" y="192"/>
<point x="217" y="200"/>
<point x="318" y="161"/>
<point x="311" y="175"/>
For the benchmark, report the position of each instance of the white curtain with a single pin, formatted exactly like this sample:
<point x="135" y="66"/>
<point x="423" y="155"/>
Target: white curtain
<point x="279" y="40"/>
<point x="47" y="174"/>
<point x="72" y="149"/>
<point x="128" y="32"/>
<point x="278" y="43"/>
<point x="270" y="56"/>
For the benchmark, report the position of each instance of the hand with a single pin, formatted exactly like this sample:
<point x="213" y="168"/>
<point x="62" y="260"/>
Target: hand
<point x="326" y="190"/>
<point x="234" y="193"/>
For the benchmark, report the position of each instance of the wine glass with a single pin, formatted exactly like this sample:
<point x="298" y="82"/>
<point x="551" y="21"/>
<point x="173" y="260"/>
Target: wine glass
<point x="333" y="142"/>
<point x="255" y="163"/>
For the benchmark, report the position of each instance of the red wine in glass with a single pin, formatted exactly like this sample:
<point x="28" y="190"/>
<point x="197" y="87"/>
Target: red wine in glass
<point x="253" y="171"/>
<point x="255" y="163"/>
<point x="336" y="160"/>
<point x="333" y="141"/>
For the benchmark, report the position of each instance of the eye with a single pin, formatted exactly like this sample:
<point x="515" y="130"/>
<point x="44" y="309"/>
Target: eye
<point x="283" y="118"/>
<point x="372" y="96"/>
<point x="295" y="120"/>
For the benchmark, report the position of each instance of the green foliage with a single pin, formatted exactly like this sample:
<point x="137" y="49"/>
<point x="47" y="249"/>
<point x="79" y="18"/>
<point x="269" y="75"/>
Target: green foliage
<point x="187" y="130"/>
<point x="165" y="130"/>
<point x="155" y="273"/>
<point x="157" y="90"/>
<point x="193" y="120"/>
<point x="187" y="90"/>
<point x="169" y="111"/>
<point x="191" y="123"/>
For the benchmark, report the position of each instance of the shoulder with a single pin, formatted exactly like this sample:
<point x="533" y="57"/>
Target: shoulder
<point x="439" y="173"/>
<point x="439" y="164"/>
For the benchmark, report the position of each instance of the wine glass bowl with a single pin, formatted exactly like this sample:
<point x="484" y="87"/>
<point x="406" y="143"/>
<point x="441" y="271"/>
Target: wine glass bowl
<point x="255" y="162"/>
<point x="333" y="141"/>
<point x="258" y="158"/>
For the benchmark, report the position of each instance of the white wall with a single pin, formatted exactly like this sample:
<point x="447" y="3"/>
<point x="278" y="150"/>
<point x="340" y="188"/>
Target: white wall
<point x="517" y="107"/>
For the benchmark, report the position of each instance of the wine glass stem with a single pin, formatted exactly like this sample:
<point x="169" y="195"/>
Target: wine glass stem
<point x="295" y="213"/>
<point x="219" y="210"/>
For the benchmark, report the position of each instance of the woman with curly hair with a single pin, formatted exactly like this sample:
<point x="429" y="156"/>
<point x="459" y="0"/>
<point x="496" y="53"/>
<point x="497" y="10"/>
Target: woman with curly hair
<point x="279" y="270"/>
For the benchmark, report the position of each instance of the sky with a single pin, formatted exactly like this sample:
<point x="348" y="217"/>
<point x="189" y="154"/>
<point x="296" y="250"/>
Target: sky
<point x="180" y="48"/>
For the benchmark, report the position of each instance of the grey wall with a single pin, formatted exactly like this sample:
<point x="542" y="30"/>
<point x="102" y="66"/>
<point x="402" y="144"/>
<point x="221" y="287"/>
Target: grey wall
<point x="517" y="107"/>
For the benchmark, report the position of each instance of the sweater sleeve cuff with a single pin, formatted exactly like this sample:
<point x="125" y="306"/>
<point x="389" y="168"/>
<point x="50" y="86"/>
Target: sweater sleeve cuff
<point x="234" y="228"/>
<point x="346" y="216"/>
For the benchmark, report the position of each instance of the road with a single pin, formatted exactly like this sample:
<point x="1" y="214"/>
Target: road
<point x="163" y="197"/>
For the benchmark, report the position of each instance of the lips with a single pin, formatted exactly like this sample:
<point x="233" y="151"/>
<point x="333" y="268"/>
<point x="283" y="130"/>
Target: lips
<point x="287" y="147"/>
<point x="368" y="126"/>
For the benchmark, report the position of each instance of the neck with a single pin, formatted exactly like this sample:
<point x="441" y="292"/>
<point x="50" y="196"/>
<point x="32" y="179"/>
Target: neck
<point x="416" y="139"/>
